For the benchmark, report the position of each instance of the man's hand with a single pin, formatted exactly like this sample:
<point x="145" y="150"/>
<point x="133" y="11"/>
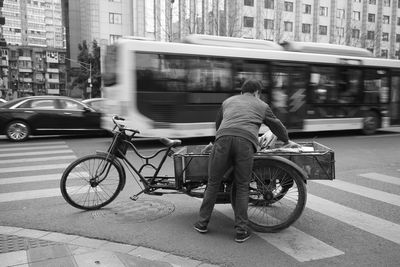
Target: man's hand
<point x="291" y="144"/>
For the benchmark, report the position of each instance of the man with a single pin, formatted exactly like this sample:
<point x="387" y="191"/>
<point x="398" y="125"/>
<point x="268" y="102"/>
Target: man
<point x="238" y="124"/>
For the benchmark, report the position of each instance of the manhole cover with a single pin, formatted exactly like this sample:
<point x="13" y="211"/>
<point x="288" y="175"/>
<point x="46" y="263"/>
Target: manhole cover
<point x="10" y="243"/>
<point x="141" y="210"/>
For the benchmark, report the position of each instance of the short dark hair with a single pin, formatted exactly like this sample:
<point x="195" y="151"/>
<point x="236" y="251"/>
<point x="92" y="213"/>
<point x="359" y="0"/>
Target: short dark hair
<point x="251" y="86"/>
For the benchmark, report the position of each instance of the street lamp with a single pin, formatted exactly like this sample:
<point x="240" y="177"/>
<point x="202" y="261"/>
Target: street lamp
<point x="86" y="66"/>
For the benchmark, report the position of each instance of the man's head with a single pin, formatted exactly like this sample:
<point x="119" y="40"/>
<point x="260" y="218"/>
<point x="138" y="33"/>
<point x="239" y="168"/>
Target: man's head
<point x="251" y="86"/>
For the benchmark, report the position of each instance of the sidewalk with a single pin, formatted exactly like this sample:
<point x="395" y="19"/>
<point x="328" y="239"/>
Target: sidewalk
<point x="33" y="248"/>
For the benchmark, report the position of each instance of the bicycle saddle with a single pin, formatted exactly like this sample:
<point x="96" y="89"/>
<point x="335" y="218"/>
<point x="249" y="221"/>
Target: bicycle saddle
<point x="169" y="142"/>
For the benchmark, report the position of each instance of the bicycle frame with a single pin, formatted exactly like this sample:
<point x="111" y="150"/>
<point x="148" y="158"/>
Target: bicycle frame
<point x="118" y="149"/>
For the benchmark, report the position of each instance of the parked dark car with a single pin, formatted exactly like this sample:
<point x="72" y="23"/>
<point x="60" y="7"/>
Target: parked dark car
<point x="43" y="115"/>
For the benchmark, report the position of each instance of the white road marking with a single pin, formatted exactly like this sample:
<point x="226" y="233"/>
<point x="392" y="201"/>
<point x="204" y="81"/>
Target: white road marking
<point x="361" y="220"/>
<point x="12" y="149"/>
<point x="41" y="193"/>
<point x="297" y="244"/>
<point x="23" y="160"/>
<point x="381" y="178"/>
<point x="34" y="168"/>
<point x="32" y="144"/>
<point x="37" y="178"/>
<point x="362" y="191"/>
<point x="49" y="152"/>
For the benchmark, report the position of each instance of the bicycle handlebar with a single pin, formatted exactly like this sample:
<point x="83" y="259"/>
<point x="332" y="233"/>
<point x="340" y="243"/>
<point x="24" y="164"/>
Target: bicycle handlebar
<point x="121" y="127"/>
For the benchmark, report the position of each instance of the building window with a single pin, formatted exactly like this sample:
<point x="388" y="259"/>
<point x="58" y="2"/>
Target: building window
<point x="356" y="15"/>
<point x="269" y="24"/>
<point x="306" y="9"/>
<point x="340" y="31"/>
<point x="249" y="2"/>
<point x="372" y="2"/>
<point x="386" y="3"/>
<point x="357" y="1"/>
<point x="340" y="13"/>
<point x="370" y="35"/>
<point x="386" y="19"/>
<point x="323" y="30"/>
<point x="288" y="26"/>
<point x="398" y="19"/>
<point x="288" y="6"/>
<point x="306" y="28"/>
<point x="397" y="38"/>
<point x="355" y="33"/>
<point x="269" y="4"/>
<point x="115" y="18"/>
<point x="397" y="53"/>
<point x="385" y="36"/>
<point x="114" y="38"/>
<point x="384" y="53"/>
<point x="248" y="22"/>
<point x="371" y="17"/>
<point x="323" y="11"/>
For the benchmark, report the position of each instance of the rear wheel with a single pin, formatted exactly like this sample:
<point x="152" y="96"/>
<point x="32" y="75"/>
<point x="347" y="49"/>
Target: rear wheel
<point x="277" y="196"/>
<point x="91" y="182"/>
<point x="18" y="131"/>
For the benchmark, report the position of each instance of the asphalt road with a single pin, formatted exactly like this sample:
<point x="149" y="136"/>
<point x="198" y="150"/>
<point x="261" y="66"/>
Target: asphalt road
<point x="351" y="221"/>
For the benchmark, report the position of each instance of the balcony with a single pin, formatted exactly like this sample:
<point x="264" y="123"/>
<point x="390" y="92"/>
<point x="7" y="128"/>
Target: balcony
<point x="25" y="80"/>
<point x="24" y="70"/>
<point x="49" y="70"/>
<point x="54" y="80"/>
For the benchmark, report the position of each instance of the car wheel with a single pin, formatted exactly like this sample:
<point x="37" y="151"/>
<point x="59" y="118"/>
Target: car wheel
<point x="17" y="131"/>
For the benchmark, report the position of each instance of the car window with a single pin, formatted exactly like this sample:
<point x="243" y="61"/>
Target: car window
<point x="39" y="104"/>
<point x="68" y="104"/>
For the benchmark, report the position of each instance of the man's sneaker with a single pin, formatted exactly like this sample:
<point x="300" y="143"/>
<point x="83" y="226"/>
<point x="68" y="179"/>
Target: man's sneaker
<point x="201" y="229"/>
<point x="242" y="236"/>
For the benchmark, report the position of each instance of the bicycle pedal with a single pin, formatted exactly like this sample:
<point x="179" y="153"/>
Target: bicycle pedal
<point x="134" y="198"/>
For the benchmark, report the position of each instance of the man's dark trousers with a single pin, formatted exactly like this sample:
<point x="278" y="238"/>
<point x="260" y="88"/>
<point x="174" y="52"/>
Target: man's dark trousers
<point x="228" y="151"/>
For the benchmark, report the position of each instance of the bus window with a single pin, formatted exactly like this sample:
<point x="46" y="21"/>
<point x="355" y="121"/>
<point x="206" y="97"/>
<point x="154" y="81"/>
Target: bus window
<point x="376" y="87"/>
<point x="349" y="84"/>
<point x="110" y="66"/>
<point x="209" y="74"/>
<point x="246" y="69"/>
<point x="323" y="84"/>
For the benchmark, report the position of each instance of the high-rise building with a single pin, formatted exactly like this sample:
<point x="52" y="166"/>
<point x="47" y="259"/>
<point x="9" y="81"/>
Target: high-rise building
<point x="33" y="23"/>
<point x="371" y="24"/>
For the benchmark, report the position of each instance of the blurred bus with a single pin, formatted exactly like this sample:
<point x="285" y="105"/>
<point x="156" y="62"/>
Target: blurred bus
<point x="175" y="89"/>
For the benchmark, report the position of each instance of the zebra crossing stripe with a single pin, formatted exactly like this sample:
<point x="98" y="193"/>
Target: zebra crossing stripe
<point x="35" y="153"/>
<point x="32" y="144"/>
<point x="23" y="160"/>
<point x="362" y="191"/>
<point x="34" y="168"/>
<point x="39" y="178"/>
<point x="381" y="178"/>
<point x="374" y="225"/>
<point x="41" y="193"/>
<point x="297" y="244"/>
<point x="32" y="148"/>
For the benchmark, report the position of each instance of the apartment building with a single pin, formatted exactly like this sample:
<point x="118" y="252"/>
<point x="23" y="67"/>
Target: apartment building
<point x="371" y="24"/>
<point x="32" y="60"/>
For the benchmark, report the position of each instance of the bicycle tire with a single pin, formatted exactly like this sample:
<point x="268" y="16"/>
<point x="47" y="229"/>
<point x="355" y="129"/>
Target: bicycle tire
<point x="277" y="196"/>
<point x="91" y="182"/>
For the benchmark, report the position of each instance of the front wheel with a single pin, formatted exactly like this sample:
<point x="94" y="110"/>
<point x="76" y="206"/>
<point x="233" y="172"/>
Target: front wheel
<point x="17" y="131"/>
<point x="277" y="196"/>
<point x="91" y="182"/>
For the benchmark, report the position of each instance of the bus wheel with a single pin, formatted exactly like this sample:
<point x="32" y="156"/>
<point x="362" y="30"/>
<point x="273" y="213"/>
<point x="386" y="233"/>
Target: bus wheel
<point x="371" y="123"/>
